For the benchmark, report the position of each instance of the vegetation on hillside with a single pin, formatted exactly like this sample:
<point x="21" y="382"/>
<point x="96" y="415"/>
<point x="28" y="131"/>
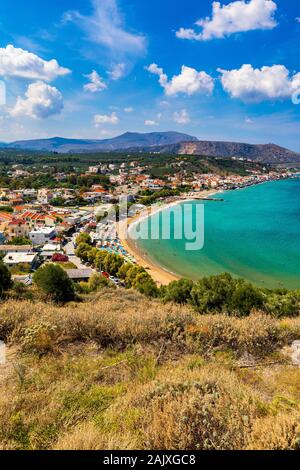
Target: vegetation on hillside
<point x="121" y="371"/>
<point x="53" y="281"/>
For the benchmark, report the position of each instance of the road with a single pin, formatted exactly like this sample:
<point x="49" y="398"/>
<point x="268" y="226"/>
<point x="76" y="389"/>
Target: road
<point x="70" y="252"/>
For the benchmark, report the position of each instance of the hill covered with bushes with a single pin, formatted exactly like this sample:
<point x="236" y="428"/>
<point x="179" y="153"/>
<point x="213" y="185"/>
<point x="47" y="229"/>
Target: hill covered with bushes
<point x="121" y="371"/>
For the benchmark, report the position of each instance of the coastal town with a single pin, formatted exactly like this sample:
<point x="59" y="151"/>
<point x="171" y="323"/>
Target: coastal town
<point x="40" y="224"/>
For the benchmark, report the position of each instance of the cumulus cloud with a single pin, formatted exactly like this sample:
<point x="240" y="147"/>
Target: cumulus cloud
<point x="96" y="83"/>
<point x="181" y="117"/>
<point x="41" y="101"/>
<point x="128" y="110"/>
<point x="150" y="122"/>
<point x="189" y="81"/>
<point x="106" y="27"/>
<point x="117" y="71"/>
<point x="15" y="62"/>
<point x="238" y="16"/>
<point x="100" y="119"/>
<point x="267" y="83"/>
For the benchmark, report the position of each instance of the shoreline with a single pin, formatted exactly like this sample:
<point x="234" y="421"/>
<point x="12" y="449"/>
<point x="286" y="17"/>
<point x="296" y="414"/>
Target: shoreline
<point x="160" y="275"/>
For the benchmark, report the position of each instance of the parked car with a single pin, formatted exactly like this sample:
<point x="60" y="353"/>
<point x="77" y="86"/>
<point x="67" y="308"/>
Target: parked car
<point x="105" y="274"/>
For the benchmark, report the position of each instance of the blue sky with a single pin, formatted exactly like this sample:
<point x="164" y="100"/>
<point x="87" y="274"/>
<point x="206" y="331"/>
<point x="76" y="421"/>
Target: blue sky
<point x="97" y="68"/>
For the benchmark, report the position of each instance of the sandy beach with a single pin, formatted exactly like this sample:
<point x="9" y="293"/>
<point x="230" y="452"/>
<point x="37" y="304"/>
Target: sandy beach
<point x="160" y="275"/>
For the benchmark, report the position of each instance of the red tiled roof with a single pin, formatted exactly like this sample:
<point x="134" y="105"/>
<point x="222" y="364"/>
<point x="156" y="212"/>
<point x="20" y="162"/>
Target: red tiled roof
<point x="5" y="216"/>
<point x="17" y="222"/>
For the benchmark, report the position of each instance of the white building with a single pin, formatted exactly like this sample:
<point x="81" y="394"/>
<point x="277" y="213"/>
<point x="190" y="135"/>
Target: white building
<point x="42" y="235"/>
<point x="13" y="259"/>
<point x="94" y="169"/>
<point x="44" y="196"/>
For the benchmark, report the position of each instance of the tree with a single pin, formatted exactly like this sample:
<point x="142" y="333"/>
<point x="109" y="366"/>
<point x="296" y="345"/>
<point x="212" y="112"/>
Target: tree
<point x="83" y="238"/>
<point x="20" y="241"/>
<point x="55" y="283"/>
<point x="283" y="304"/>
<point x="5" y="278"/>
<point x="101" y="254"/>
<point x="245" y="298"/>
<point x="225" y="294"/>
<point x="112" y="263"/>
<point x="145" y="285"/>
<point x="82" y="251"/>
<point x="6" y="209"/>
<point x="92" y="256"/>
<point x="123" y="271"/>
<point x="97" y="282"/>
<point x="178" y="291"/>
<point x="213" y="294"/>
<point x="132" y="274"/>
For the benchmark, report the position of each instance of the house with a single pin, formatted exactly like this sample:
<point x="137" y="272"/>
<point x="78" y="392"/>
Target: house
<point x="50" y="220"/>
<point x="78" y="275"/>
<point x="51" y="249"/>
<point x="14" y="259"/>
<point x="44" y="196"/>
<point x="5" y="217"/>
<point x="94" y="169"/>
<point x="42" y="235"/>
<point x="33" y="217"/>
<point x="17" y="228"/>
<point x="8" y="249"/>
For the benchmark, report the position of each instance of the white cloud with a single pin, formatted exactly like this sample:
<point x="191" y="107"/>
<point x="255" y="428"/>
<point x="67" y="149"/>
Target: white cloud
<point x="128" y="110"/>
<point x="117" y="71"/>
<point x="106" y="27"/>
<point x="16" y="62"/>
<point x="181" y="117"/>
<point x="267" y="83"/>
<point x="96" y="83"/>
<point x="100" y="119"/>
<point x="237" y="16"/>
<point x="189" y="81"/>
<point x="150" y="122"/>
<point x="41" y="101"/>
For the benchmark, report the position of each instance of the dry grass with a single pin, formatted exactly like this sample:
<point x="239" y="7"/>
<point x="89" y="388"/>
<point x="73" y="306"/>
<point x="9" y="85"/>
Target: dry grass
<point x="124" y="372"/>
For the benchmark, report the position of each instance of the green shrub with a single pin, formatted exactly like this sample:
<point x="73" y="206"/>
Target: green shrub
<point x="5" y="278"/>
<point x="83" y="250"/>
<point x="283" y="305"/>
<point x="55" y="283"/>
<point x="177" y="291"/>
<point x="83" y="238"/>
<point x="223" y="293"/>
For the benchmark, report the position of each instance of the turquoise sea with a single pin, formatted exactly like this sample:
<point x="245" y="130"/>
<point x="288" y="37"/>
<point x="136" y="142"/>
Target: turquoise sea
<point x="254" y="234"/>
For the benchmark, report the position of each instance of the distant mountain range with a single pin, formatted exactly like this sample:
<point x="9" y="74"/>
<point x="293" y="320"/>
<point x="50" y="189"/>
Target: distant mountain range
<point x="122" y="142"/>
<point x="261" y="153"/>
<point x="162" y="142"/>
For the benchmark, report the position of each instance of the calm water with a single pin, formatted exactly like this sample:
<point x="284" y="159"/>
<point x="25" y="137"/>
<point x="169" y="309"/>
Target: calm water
<point x="254" y="233"/>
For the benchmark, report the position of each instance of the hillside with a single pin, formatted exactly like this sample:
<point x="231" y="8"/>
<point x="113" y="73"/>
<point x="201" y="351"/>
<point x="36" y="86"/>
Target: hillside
<point x="124" y="372"/>
<point x="124" y="141"/>
<point x="267" y="153"/>
<point x="161" y="142"/>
